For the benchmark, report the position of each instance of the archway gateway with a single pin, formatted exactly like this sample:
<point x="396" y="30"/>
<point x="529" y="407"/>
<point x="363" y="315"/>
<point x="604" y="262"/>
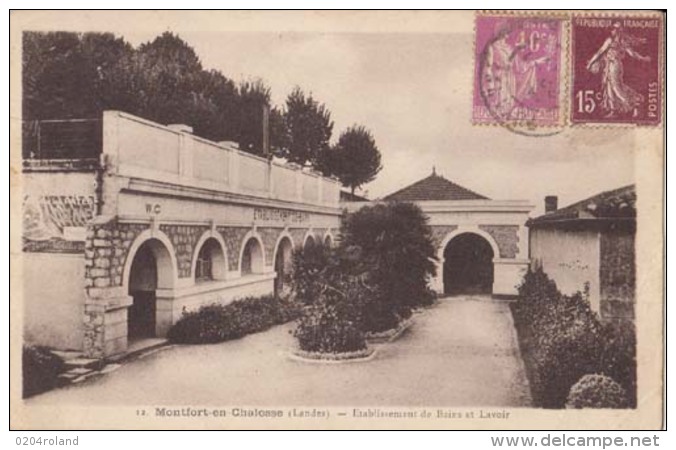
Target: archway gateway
<point x="151" y="269"/>
<point x="468" y="265"/>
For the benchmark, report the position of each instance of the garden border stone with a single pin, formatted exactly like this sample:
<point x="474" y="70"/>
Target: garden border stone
<point x="392" y="334"/>
<point x="332" y="358"/>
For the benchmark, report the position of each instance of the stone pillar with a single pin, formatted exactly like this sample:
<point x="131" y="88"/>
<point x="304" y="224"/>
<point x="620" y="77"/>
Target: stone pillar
<point x="105" y="322"/>
<point x="106" y="301"/>
<point x="164" y="314"/>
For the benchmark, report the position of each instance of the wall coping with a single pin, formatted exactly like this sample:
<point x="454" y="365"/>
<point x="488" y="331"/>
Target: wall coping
<point x="219" y="285"/>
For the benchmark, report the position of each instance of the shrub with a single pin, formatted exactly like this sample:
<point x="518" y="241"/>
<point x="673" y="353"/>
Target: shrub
<point x="333" y="323"/>
<point x="398" y="252"/>
<point x="217" y="323"/>
<point x="597" y="391"/>
<point x="561" y="356"/>
<point x="562" y="339"/>
<point x="309" y="264"/>
<point x="323" y="329"/>
<point x="619" y="356"/>
<point x="41" y="369"/>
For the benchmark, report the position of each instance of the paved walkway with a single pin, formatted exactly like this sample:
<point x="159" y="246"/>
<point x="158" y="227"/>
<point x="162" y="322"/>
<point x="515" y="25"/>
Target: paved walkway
<point x="462" y="352"/>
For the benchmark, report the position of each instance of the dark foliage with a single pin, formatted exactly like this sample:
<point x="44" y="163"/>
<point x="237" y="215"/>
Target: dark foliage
<point x="563" y="339"/>
<point x="597" y="391"/>
<point x="311" y="265"/>
<point x="331" y="324"/>
<point x="354" y="160"/>
<point x="397" y="248"/>
<point x="79" y="75"/>
<point x="217" y="323"/>
<point x="41" y="369"/>
<point x="308" y="128"/>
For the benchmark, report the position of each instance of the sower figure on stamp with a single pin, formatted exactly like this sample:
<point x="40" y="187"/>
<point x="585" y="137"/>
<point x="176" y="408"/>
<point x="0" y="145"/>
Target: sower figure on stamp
<point x="618" y="97"/>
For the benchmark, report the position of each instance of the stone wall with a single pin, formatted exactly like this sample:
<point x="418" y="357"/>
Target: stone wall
<point x="617" y="275"/>
<point x="298" y="236"/>
<point x="106" y="250"/>
<point x="507" y="238"/>
<point x="184" y="239"/>
<point x="440" y="232"/>
<point x="233" y="237"/>
<point x="270" y="236"/>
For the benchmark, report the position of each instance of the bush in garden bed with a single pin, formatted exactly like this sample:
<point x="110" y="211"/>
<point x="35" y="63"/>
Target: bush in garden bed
<point x="323" y="329"/>
<point x="217" y="323"/>
<point x="597" y="391"/>
<point x="332" y="323"/>
<point x="398" y="252"/>
<point x="41" y="369"/>
<point x="562" y="340"/>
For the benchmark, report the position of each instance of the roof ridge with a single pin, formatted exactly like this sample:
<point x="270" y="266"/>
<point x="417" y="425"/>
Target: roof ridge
<point x="442" y="188"/>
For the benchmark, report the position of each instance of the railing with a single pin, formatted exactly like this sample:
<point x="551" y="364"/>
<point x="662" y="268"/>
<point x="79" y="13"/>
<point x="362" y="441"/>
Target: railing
<point x="62" y="139"/>
<point x="143" y="149"/>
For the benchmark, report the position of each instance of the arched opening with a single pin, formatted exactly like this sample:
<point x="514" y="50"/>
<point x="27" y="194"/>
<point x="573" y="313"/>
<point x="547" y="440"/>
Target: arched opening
<point x="309" y="242"/>
<point x="151" y="269"/>
<point x="252" y="258"/>
<point x="283" y="266"/>
<point x="210" y="264"/>
<point x="468" y="265"/>
<point x="328" y="241"/>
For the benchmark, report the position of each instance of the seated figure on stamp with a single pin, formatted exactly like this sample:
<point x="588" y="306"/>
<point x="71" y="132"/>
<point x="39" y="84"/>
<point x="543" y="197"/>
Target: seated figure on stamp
<point x="509" y="76"/>
<point x="617" y="96"/>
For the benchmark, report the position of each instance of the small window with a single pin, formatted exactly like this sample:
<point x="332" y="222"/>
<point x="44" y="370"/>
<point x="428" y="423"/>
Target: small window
<point x="252" y="258"/>
<point x="208" y="260"/>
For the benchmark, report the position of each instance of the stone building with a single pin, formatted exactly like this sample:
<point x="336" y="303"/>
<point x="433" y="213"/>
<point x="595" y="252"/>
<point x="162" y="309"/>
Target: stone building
<point x="590" y="245"/>
<point x="482" y="244"/>
<point x="128" y="223"/>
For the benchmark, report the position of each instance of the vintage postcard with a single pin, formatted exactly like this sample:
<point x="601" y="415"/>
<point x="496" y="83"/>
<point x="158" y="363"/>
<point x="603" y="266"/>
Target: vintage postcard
<point x="337" y="220"/>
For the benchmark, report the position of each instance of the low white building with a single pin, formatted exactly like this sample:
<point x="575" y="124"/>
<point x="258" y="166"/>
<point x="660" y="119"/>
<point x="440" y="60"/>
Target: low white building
<point x="589" y="246"/>
<point x="482" y="244"/>
<point x="159" y="221"/>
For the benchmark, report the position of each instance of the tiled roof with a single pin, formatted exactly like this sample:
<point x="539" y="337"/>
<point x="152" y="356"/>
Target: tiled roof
<point x="616" y="204"/>
<point x="434" y="187"/>
<point x="350" y="197"/>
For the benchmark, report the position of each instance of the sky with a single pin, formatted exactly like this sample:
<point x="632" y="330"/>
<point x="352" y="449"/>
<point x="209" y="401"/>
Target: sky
<point x="413" y="91"/>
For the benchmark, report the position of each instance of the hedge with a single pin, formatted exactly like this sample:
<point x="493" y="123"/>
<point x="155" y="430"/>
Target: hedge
<point x="217" y="323"/>
<point x="562" y="340"/>
<point x="40" y="368"/>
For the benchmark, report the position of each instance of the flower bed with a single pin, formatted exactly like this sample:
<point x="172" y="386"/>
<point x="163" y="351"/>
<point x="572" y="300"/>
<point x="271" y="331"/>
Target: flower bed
<point x="391" y="334"/>
<point x="363" y="355"/>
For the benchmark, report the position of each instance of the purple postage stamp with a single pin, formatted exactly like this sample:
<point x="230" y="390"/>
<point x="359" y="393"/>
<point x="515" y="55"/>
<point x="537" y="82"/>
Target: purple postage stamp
<point x="616" y="70"/>
<point x="517" y="74"/>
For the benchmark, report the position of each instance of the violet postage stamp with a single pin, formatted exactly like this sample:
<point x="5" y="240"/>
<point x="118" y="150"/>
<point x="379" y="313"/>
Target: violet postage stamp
<point x="517" y="70"/>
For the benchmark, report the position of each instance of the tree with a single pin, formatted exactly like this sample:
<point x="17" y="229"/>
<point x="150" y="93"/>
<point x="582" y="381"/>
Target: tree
<point x="253" y="96"/>
<point x="64" y="73"/>
<point x="397" y="248"/>
<point x="308" y="128"/>
<point x="170" y="73"/>
<point x="355" y="159"/>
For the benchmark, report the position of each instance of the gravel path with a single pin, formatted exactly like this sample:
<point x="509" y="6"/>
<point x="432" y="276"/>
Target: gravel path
<point x="462" y="352"/>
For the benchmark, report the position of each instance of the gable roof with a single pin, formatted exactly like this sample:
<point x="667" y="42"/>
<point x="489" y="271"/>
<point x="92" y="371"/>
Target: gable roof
<point x="616" y="204"/>
<point x="434" y="187"/>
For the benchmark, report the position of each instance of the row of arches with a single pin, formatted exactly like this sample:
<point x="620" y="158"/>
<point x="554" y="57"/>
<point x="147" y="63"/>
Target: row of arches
<point x="151" y="267"/>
